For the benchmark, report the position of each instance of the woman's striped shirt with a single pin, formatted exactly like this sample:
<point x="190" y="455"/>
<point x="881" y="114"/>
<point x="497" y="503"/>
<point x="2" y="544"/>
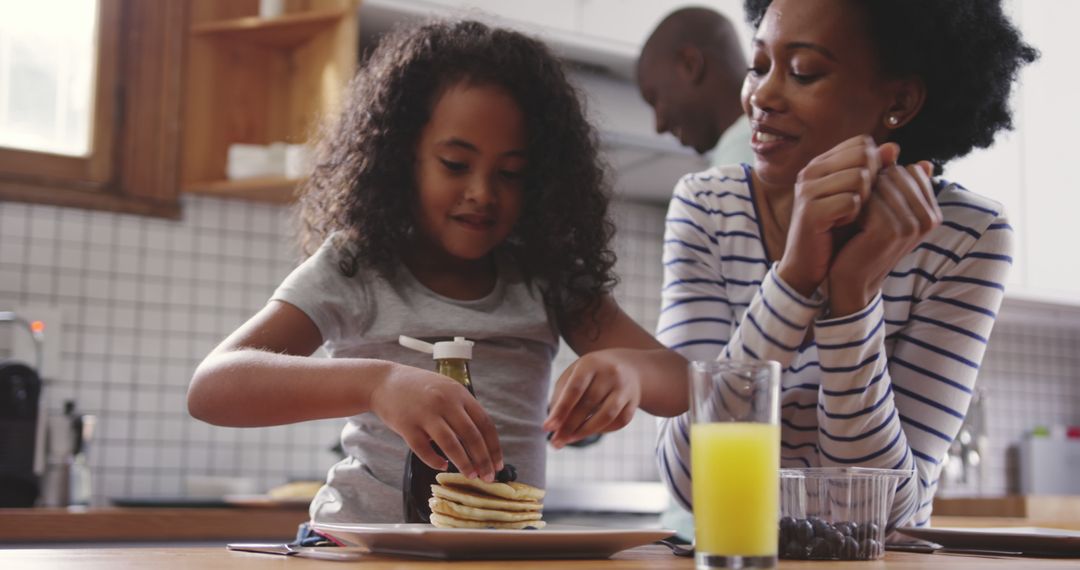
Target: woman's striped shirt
<point x="885" y="387"/>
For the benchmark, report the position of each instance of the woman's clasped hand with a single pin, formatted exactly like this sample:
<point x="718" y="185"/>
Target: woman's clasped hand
<point x="856" y="213"/>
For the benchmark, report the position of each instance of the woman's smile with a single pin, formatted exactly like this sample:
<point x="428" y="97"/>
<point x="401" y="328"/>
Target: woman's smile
<point x="767" y="140"/>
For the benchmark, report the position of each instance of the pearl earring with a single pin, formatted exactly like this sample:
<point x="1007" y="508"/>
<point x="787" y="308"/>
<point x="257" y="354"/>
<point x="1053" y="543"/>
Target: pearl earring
<point x="893" y="120"/>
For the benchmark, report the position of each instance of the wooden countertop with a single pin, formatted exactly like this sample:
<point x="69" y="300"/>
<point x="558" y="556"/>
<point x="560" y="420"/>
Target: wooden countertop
<point x="646" y="557"/>
<point x="148" y="524"/>
<point x="28" y="526"/>
<point x="943" y="521"/>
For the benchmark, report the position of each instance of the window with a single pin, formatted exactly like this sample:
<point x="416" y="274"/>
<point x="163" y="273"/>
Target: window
<point x="47" y="76"/>
<point x="89" y="103"/>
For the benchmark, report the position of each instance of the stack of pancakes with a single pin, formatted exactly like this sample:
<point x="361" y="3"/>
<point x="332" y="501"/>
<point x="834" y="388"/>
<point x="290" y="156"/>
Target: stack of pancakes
<point x="460" y="502"/>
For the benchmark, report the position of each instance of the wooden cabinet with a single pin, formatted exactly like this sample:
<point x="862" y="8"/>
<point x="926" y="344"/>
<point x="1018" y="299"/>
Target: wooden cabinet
<point x="260" y="80"/>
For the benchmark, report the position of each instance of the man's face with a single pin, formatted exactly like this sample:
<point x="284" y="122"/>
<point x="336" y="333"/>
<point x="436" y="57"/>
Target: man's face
<point x="678" y="107"/>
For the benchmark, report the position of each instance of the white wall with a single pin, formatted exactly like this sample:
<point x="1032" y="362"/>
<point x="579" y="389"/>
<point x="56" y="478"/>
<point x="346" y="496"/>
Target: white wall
<point x="1031" y="170"/>
<point x="622" y="22"/>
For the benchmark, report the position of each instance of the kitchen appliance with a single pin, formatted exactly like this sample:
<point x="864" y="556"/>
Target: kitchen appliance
<point x="1048" y="466"/>
<point x="20" y="392"/>
<point x="963" y="471"/>
<point x="67" y="474"/>
<point x="20" y="426"/>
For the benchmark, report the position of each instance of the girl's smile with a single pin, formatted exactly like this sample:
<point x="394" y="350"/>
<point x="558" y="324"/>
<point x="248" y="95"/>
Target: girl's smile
<point x="478" y="222"/>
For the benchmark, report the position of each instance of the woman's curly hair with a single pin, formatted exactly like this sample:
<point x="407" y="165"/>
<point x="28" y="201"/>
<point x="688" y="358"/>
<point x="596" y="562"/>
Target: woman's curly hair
<point x="363" y="185"/>
<point x="968" y="54"/>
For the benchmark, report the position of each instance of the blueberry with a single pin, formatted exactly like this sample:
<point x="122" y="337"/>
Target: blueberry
<point x="507" y="474"/>
<point x="819" y="548"/>
<point x="870" y="548"/>
<point x="867" y="530"/>
<point x="794" y="550"/>
<point x="846" y="528"/>
<point x="835" y="539"/>
<point x="820" y="526"/>
<point x="787" y="523"/>
<point x="804" y="531"/>
<point x="787" y="530"/>
<point x="850" y="548"/>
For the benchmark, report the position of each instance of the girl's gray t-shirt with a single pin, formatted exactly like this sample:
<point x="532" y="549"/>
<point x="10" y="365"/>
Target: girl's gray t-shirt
<point x="362" y="316"/>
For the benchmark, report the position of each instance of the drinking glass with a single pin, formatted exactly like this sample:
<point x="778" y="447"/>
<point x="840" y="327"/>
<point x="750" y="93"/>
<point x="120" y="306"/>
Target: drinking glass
<point x="735" y="462"/>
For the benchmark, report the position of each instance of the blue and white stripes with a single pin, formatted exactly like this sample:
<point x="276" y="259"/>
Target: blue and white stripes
<point x="885" y="387"/>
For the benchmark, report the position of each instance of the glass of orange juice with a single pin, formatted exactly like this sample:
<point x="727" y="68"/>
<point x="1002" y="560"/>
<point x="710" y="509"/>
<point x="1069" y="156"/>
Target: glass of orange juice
<point x="735" y="462"/>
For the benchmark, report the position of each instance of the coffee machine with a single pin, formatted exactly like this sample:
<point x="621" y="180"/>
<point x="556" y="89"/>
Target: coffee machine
<point x="20" y="423"/>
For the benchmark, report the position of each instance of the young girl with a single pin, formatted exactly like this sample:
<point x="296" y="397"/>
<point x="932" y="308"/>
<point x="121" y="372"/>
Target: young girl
<point x="457" y="195"/>
<point x="874" y="285"/>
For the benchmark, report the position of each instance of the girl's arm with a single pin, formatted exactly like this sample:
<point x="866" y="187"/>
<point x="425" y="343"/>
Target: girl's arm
<point x="263" y="375"/>
<point x="622" y="368"/>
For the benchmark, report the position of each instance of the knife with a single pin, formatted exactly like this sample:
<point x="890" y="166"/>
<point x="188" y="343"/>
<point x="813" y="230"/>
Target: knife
<point x="927" y="547"/>
<point x="318" y="552"/>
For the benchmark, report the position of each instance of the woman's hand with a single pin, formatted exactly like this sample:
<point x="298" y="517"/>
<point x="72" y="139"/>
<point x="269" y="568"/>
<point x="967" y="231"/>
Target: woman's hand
<point x="901" y="211"/>
<point x="423" y="407"/>
<point x="829" y="193"/>
<point x="598" y="393"/>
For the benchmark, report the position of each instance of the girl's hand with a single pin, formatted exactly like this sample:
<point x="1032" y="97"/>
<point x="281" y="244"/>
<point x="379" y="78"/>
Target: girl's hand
<point x="829" y="193"/>
<point x="423" y="407"/>
<point x="902" y="210"/>
<point x="597" y="394"/>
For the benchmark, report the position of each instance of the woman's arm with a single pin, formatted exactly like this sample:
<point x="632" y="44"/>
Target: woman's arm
<point x="902" y="408"/>
<point x="697" y="319"/>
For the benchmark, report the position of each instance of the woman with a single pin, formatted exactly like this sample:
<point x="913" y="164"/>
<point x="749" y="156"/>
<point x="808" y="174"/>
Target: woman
<point x="838" y="254"/>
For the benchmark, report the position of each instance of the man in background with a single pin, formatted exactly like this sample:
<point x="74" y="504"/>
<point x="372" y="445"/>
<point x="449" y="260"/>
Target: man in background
<point x="691" y="72"/>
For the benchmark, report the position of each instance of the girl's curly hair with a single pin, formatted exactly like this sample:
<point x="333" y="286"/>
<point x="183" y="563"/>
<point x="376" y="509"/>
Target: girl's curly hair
<point x="968" y="54"/>
<point x="363" y="182"/>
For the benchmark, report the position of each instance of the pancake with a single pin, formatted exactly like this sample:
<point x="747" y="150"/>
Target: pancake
<point x="466" y="512"/>
<point x="512" y="490"/>
<point x="472" y="498"/>
<point x="296" y="490"/>
<point x="444" y="521"/>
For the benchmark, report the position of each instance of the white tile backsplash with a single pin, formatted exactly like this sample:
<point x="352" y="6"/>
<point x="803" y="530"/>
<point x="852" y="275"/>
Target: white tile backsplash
<point x="145" y="299"/>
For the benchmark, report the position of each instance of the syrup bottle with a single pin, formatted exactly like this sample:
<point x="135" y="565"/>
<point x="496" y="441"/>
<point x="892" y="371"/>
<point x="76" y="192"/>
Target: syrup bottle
<point x="451" y="360"/>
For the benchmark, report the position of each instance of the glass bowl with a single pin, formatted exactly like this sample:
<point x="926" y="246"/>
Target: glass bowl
<point x="836" y="513"/>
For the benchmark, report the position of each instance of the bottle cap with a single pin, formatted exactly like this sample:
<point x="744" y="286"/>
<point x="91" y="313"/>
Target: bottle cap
<point x="457" y="348"/>
<point x="460" y="347"/>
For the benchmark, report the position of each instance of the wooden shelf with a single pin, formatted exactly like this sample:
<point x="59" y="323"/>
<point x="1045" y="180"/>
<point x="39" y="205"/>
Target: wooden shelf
<point x="260" y="81"/>
<point x="272" y="190"/>
<point x="283" y="32"/>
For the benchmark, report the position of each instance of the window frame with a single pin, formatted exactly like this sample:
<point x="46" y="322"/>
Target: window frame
<point x="134" y="162"/>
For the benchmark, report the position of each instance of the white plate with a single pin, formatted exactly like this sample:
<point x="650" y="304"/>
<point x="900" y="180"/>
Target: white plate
<point x="1026" y="540"/>
<point x="553" y="541"/>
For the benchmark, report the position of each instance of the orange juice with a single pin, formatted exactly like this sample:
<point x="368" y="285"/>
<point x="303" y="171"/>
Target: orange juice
<point x="736" y="470"/>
